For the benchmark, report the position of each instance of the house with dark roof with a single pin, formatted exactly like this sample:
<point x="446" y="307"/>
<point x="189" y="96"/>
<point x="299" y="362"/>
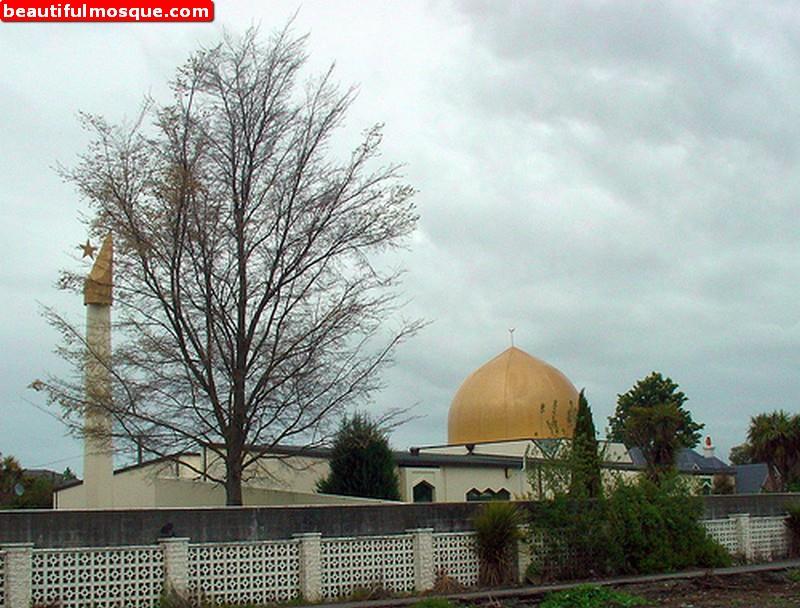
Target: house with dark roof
<point x="701" y="467"/>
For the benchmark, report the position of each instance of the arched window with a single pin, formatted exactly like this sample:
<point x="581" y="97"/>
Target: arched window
<point x="423" y="492"/>
<point x="474" y="495"/>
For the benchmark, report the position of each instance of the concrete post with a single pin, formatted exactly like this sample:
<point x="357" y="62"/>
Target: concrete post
<point x="743" y="535"/>
<point x="424" y="576"/>
<point x="523" y="553"/>
<point x="176" y="564"/>
<point x="310" y="566"/>
<point x="18" y="567"/>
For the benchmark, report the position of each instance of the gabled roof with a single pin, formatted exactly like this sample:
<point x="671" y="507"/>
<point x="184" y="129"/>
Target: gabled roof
<point x="689" y="461"/>
<point x="751" y="478"/>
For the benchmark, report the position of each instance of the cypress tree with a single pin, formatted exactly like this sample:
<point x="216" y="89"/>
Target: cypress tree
<point x="361" y="462"/>
<point x="586" y="475"/>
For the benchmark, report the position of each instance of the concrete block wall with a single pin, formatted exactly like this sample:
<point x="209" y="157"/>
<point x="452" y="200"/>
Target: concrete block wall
<point x="61" y="529"/>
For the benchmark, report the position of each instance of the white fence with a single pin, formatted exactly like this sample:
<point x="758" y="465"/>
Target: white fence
<point x="306" y="566"/>
<point x="101" y="578"/>
<point x="347" y="564"/>
<point x="245" y="573"/>
<point x="454" y="556"/>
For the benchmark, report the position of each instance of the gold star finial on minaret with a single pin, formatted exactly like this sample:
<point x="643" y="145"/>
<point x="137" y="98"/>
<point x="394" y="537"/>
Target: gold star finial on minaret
<point x="97" y="288"/>
<point x="88" y="249"/>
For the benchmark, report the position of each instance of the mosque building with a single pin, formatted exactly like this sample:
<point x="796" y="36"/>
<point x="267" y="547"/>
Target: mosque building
<point x="509" y="419"/>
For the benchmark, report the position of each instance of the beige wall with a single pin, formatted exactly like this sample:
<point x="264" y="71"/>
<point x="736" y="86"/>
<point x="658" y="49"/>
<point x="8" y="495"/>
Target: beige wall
<point x="187" y="493"/>
<point x="133" y="488"/>
<point x="408" y="477"/>
<point x="297" y="473"/>
<point x="276" y="481"/>
<point x="69" y="498"/>
<point x="161" y="485"/>
<point x="451" y="483"/>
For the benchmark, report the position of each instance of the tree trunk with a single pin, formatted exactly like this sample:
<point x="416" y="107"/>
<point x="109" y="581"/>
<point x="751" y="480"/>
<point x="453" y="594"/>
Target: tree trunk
<point x="233" y="467"/>
<point x="233" y="481"/>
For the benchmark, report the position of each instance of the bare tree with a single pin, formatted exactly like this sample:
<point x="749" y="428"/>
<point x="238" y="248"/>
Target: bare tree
<point x="248" y="309"/>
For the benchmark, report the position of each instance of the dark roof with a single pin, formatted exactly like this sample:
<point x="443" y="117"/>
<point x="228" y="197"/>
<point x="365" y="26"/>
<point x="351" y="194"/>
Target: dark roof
<point x="46" y="473"/>
<point x="422" y="459"/>
<point x="689" y="461"/>
<point x="411" y="458"/>
<point x="488" y="442"/>
<point x="750" y="478"/>
<point x="56" y="479"/>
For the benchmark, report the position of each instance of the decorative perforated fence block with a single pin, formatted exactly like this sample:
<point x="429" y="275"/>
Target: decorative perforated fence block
<point x="769" y="537"/>
<point x="256" y="572"/>
<point x="553" y="558"/>
<point x="454" y="557"/>
<point x="348" y="564"/>
<point x="109" y="577"/>
<point x="2" y="580"/>
<point x="724" y="532"/>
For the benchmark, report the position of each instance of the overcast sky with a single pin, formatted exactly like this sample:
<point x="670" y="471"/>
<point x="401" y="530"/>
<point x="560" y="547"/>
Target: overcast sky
<point x="616" y="180"/>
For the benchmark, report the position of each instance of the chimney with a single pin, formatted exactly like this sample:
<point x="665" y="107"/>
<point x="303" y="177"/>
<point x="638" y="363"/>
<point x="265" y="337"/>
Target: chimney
<point x="708" y="447"/>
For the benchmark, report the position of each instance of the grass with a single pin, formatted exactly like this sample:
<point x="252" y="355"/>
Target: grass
<point x="793" y="575"/>
<point x="433" y="602"/>
<point x="591" y="596"/>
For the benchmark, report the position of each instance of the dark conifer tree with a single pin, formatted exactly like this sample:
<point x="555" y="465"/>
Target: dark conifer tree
<point x="586" y="474"/>
<point x="361" y="463"/>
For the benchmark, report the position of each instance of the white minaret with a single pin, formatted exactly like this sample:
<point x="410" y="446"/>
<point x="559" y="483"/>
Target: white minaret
<point x="98" y="451"/>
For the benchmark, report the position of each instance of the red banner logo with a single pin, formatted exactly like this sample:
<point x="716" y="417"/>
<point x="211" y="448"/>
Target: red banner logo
<point x="123" y="11"/>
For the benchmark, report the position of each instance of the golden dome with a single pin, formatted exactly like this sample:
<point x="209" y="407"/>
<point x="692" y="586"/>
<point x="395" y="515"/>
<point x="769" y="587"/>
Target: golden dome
<point x="513" y="396"/>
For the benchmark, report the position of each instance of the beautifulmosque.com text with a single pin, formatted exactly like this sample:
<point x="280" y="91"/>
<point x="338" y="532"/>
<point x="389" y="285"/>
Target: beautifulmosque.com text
<point x="108" y="12"/>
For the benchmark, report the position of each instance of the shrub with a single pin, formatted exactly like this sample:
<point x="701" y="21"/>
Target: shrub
<point x="445" y="584"/>
<point x="568" y="527"/>
<point x="591" y="596"/>
<point x="171" y="598"/>
<point x="369" y="592"/>
<point x="656" y="528"/>
<point x="640" y="528"/>
<point x="496" y="535"/>
<point x="722" y="484"/>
